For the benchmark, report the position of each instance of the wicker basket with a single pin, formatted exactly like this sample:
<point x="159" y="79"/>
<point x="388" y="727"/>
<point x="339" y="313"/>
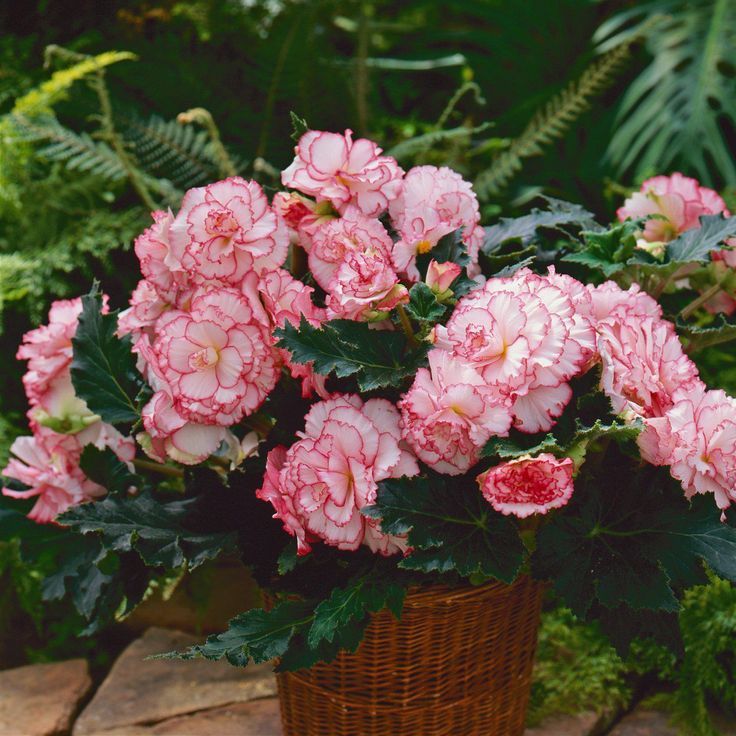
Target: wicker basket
<point x="458" y="663"/>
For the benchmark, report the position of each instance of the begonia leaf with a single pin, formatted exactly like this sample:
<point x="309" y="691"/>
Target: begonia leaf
<point x="103" y="367"/>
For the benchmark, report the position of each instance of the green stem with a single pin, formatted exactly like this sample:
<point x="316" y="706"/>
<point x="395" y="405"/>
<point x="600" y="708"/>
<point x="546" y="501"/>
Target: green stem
<point x="459" y="94"/>
<point x="406" y="325"/>
<point x="152" y="467"/>
<point x="204" y="118"/>
<point x="709" y="293"/>
<point x="110" y="135"/>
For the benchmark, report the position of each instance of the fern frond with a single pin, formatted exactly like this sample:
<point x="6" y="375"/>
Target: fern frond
<point x="77" y="151"/>
<point x="553" y="120"/>
<point x="42" y="98"/>
<point x="419" y="144"/>
<point x="167" y="149"/>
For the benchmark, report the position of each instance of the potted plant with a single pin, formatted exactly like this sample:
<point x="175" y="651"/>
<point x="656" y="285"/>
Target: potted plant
<point x="408" y="424"/>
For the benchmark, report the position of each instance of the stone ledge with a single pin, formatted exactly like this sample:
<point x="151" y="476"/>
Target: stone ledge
<point x="139" y="692"/>
<point x="42" y="699"/>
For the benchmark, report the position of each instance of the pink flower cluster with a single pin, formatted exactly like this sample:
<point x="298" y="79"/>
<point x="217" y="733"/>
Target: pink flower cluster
<point x="649" y="378"/>
<point x="679" y="202"/>
<point x="351" y="254"/>
<point x="61" y="423"/>
<point x="202" y="318"/>
<point x="526" y="336"/>
<point x="320" y="484"/>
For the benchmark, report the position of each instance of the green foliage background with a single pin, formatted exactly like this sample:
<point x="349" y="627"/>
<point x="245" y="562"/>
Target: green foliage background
<point x="579" y="100"/>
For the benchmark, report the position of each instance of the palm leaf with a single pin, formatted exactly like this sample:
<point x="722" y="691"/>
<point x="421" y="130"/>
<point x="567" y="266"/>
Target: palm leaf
<point x="678" y="111"/>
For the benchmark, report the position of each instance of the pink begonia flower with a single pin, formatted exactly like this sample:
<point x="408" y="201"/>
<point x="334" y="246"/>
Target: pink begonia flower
<point x="287" y="299"/>
<point x="48" y="348"/>
<point x="169" y="435"/>
<point x="225" y="230"/>
<point x="528" y="485"/>
<point x="525" y="337"/>
<point x="49" y="464"/>
<point x="351" y="233"/>
<point x="643" y="365"/>
<point x="697" y="439"/>
<point x="159" y="266"/>
<point x="335" y="168"/>
<point x="679" y="199"/>
<point x="217" y="359"/>
<point x="319" y="485"/>
<point x="433" y="203"/>
<point x="610" y="300"/>
<point x="440" y="277"/>
<point x="303" y="216"/>
<point x="364" y="288"/>
<point x="146" y="306"/>
<point x="450" y="412"/>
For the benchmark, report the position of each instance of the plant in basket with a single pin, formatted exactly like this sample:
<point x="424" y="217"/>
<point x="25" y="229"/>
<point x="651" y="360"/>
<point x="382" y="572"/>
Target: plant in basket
<point x="406" y="423"/>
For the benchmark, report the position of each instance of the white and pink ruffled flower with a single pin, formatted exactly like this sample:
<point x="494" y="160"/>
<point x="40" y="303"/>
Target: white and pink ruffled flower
<point x="697" y="439"/>
<point x="335" y="168"/>
<point x="225" y="230"/>
<point x="159" y="265"/>
<point x="169" y="435"/>
<point x="288" y="300"/>
<point x="48" y="464"/>
<point x="433" y="202"/>
<point x="352" y="233"/>
<point x="643" y="364"/>
<point x="303" y="216"/>
<point x="610" y="300"/>
<point x="48" y="348"/>
<point x="450" y="412"/>
<point x="217" y="359"/>
<point x="331" y="473"/>
<point x="680" y="200"/>
<point x="365" y="287"/>
<point x="524" y="335"/>
<point x="528" y="485"/>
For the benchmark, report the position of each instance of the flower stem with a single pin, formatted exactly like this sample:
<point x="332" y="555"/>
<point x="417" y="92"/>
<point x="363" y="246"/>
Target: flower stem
<point x="158" y="468"/>
<point x="406" y="325"/>
<point x="702" y="299"/>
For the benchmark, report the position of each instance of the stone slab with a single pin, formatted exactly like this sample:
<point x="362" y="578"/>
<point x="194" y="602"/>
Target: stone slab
<point x="257" y="718"/>
<point x="42" y="699"/>
<point x="644" y="722"/>
<point x="141" y="692"/>
<point x="581" y="724"/>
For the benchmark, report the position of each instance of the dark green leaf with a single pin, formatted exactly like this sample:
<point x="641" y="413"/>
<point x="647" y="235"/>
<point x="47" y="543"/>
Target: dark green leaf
<point x="255" y="635"/>
<point x="697" y="244"/>
<point x="609" y="250"/>
<point x="629" y="538"/>
<point x="152" y="529"/>
<point x="526" y="228"/>
<point x="104" y="467"/>
<point x="450" y="527"/>
<point x="506" y="448"/>
<point x="492" y="263"/>
<point x="423" y="305"/>
<point x="377" y="358"/>
<point x="103" y="367"/>
<point x="299" y="126"/>
<point x="353" y="603"/>
<point x="698" y="338"/>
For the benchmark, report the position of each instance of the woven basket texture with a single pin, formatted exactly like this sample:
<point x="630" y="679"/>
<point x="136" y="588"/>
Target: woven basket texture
<point x="458" y="663"/>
